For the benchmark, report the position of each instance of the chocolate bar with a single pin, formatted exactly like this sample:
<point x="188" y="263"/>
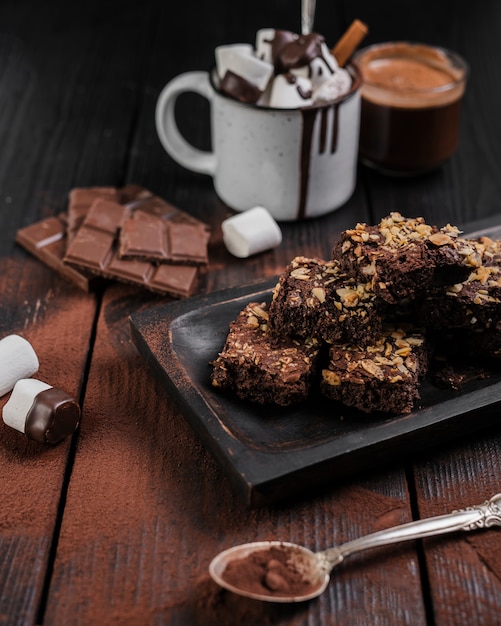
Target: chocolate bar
<point x="46" y="240"/>
<point x="79" y="202"/>
<point x="167" y="239"/>
<point x="133" y="193"/>
<point x="95" y="248"/>
<point x="158" y="231"/>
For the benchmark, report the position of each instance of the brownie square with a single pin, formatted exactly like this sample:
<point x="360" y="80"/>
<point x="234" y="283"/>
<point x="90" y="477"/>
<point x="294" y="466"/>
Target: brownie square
<point x="404" y="257"/>
<point x="383" y="377"/>
<point x="256" y="369"/>
<point x="466" y="346"/>
<point x="315" y="298"/>
<point x="474" y="304"/>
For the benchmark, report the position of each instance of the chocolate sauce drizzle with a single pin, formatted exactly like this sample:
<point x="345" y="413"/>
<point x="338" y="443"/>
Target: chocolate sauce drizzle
<point x="290" y="51"/>
<point x="325" y="143"/>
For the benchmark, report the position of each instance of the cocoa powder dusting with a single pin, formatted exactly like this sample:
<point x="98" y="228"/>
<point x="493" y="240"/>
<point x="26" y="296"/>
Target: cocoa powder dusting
<point x="215" y="606"/>
<point x="142" y="488"/>
<point x="57" y="327"/>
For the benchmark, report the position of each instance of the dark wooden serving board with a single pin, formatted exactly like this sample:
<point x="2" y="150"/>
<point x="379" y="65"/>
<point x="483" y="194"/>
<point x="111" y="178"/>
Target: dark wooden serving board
<point x="272" y="453"/>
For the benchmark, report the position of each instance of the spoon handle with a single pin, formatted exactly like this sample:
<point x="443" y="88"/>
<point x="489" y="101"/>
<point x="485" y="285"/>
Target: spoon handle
<point x="307" y="16"/>
<point x="472" y="518"/>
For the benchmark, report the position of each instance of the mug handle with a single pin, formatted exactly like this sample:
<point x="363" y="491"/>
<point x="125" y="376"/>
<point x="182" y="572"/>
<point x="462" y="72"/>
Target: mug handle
<point x="201" y="161"/>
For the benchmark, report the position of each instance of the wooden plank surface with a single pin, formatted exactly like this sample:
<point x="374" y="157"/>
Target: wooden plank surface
<point x="142" y="507"/>
<point x="464" y="571"/>
<point x="147" y="508"/>
<point x="57" y="321"/>
<point x="461" y="573"/>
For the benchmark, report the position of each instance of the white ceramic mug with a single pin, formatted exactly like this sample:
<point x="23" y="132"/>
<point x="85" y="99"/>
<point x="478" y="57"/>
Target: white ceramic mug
<point x="298" y="163"/>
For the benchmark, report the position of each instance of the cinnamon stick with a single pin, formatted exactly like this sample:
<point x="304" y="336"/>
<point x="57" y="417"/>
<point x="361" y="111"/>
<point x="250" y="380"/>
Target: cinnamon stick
<point x="349" y="42"/>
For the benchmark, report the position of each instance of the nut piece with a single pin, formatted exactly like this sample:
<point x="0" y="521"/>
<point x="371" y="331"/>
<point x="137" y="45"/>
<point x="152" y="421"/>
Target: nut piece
<point x="371" y="368"/>
<point x="331" y="377"/>
<point x="318" y="293"/>
<point x="440" y="239"/>
<point x="301" y="273"/>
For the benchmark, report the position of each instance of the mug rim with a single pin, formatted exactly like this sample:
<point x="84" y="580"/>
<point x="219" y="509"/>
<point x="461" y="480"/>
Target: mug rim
<point x="356" y="84"/>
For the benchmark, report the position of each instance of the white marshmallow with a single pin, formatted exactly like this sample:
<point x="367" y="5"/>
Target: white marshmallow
<point x="224" y="55"/>
<point x="264" y="37"/>
<point x="329" y="58"/>
<point x="264" y="98"/>
<point x="335" y="86"/>
<point x="17" y="360"/>
<point x="287" y="95"/>
<point x="254" y="70"/>
<point x="251" y="232"/>
<point x="303" y="71"/>
<point x="320" y="69"/>
<point x="20" y="402"/>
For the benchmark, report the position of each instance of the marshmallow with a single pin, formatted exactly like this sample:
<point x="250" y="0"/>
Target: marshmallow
<point x="251" y="232"/>
<point x="248" y="67"/>
<point x="290" y="95"/>
<point x="319" y="69"/>
<point x="335" y="86"/>
<point x="328" y="58"/>
<point x="17" y="360"/>
<point x="43" y="413"/>
<point x="264" y="38"/>
<point x="284" y="71"/>
<point x="225" y="54"/>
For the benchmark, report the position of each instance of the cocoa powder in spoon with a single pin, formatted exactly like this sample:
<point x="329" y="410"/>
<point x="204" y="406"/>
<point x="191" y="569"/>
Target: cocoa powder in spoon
<point x="269" y="572"/>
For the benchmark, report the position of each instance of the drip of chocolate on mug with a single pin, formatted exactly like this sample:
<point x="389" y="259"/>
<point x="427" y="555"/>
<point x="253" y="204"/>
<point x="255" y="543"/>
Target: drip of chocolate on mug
<point x="342" y="51"/>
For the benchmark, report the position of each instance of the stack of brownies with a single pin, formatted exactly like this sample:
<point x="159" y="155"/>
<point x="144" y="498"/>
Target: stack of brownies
<point x="127" y="234"/>
<point x="361" y="327"/>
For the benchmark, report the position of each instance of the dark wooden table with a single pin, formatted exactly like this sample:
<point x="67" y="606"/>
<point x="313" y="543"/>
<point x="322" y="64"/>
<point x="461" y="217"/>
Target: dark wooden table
<point x="117" y="524"/>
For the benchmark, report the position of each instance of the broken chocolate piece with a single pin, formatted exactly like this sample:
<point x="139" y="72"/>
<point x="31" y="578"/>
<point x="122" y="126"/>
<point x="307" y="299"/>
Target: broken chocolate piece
<point x="149" y="237"/>
<point x="46" y="240"/>
<point x="95" y="248"/>
<point x="80" y="200"/>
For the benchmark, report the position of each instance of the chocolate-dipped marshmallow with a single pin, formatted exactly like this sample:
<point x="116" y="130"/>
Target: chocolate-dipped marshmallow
<point x="17" y="360"/>
<point x="43" y="413"/>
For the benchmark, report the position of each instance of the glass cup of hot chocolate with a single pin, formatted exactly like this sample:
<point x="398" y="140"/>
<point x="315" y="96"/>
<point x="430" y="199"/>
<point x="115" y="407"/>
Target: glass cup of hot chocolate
<point x="411" y="100"/>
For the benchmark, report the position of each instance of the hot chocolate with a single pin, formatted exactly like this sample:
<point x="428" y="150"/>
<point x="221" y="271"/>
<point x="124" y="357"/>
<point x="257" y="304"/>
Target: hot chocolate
<point x="411" y="99"/>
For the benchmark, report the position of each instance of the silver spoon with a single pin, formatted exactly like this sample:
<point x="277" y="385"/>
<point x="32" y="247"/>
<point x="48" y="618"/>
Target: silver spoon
<point x="307" y="16"/>
<point x="315" y="567"/>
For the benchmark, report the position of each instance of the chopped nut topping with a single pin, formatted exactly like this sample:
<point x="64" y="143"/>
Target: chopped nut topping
<point x="391" y="359"/>
<point x="440" y="239"/>
<point x="301" y="273"/>
<point x="253" y="321"/>
<point x="349" y="297"/>
<point x="331" y="377"/>
<point x="259" y="311"/>
<point x="372" y="368"/>
<point x="318" y="293"/>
